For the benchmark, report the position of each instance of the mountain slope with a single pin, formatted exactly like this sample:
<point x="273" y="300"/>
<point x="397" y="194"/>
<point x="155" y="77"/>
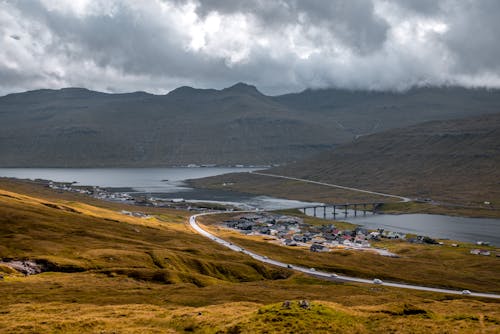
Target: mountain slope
<point x="75" y="127"/>
<point x="365" y="112"/>
<point x="455" y="161"/>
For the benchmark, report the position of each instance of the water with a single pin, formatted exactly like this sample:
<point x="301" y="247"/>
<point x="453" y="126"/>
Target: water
<point x="151" y="180"/>
<point x="157" y="182"/>
<point x="169" y="183"/>
<point x="435" y="226"/>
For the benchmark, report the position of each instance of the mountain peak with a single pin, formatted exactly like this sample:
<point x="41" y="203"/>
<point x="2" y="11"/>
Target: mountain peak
<point x="242" y="87"/>
<point x="187" y="91"/>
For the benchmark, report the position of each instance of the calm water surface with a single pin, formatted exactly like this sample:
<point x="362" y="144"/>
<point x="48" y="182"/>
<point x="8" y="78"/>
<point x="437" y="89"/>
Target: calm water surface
<point x="141" y="179"/>
<point x="157" y="182"/>
<point x="169" y="183"/>
<point x="436" y="226"/>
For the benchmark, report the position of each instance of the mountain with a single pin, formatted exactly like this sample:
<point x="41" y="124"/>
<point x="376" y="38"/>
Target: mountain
<point x="365" y="112"/>
<point x="455" y="161"/>
<point x="76" y="127"/>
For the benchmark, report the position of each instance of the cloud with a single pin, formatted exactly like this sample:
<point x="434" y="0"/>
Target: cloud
<point x="278" y="45"/>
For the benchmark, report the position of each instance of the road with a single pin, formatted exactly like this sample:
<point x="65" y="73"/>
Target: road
<point x="320" y="274"/>
<point x="403" y="199"/>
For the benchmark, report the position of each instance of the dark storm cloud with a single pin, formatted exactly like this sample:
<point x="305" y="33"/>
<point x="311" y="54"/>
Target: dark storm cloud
<point x="473" y="35"/>
<point x="279" y="45"/>
<point x="423" y="7"/>
<point x="354" y="21"/>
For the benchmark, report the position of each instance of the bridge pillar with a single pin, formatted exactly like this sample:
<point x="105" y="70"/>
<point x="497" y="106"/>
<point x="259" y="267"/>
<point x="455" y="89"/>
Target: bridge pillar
<point x="364" y="209"/>
<point x="334" y="213"/>
<point x="355" y="210"/>
<point x="314" y="211"/>
<point x="324" y="212"/>
<point x="345" y="209"/>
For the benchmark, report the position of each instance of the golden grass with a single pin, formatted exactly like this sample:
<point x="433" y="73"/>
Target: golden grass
<point x="297" y="190"/>
<point x="432" y="265"/>
<point x="283" y="188"/>
<point x="133" y="275"/>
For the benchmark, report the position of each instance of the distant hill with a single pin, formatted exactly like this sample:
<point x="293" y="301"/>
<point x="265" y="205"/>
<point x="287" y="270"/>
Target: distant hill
<point x="456" y="161"/>
<point x="366" y="112"/>
<point x="75" y="127"/>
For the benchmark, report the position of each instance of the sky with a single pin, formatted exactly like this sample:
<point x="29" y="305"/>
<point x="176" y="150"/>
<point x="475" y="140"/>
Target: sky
<point x="279" y="46"/>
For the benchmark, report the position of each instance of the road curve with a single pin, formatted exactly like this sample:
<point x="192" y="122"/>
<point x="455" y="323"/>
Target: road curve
<point x="320" y="274"/>
<point x="403" y="199"/>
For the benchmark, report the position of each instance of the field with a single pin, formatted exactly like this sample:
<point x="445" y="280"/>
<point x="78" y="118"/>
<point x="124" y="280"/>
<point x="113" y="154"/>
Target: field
<point x="283" y="188"/>
<point x="105" y="272"/>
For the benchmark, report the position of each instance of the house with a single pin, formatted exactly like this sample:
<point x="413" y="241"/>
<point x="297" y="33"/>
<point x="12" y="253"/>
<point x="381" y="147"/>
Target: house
<point x="290" y="242"/>
<point x="265" y="230"/>
<point x="395" y="235"/>
<point x="361" y="231"/>
<point x="483" y="243"/>
<point x="318" y="248"/>
<point x="484" y="252"/>
<point x="318" y="240"/>
<point x="300" y="238"/>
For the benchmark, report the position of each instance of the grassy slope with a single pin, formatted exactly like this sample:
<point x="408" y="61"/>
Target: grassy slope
<point x="264" y="185"/>
<point x="137" y="275"/>
<point x="453" y="162"/>
<point x="432" y="265"/>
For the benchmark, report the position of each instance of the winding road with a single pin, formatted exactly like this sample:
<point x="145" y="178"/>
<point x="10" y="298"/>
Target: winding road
<point x="403" y="199"/>
<point x="322" y="274"/>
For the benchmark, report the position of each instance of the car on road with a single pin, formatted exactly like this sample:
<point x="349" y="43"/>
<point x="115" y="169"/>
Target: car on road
<point x="377" y="281"/>
<point x="334" y="275"/>
<point x="289" y="266"/>
<point x="265" y="257"/>
<point x="312" y="269"/>
<point x="466" y="292"/>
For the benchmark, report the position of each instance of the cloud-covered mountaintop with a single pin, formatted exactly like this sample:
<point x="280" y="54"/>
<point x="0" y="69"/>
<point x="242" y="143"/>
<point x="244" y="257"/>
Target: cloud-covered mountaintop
<point x="277" y="45"/>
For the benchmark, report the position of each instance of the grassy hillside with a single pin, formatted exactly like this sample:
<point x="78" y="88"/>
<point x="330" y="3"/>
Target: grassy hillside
<point x="453" y="162"/>
<point x="431" y="265"/>
<point x="106" y="272"/>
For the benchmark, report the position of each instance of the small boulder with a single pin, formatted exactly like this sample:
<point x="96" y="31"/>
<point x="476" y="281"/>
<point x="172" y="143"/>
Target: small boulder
<point x="304" y="304"/>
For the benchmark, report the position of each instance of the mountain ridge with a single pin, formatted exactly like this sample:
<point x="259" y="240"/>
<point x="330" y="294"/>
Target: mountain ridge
<point x="77" y="127"/>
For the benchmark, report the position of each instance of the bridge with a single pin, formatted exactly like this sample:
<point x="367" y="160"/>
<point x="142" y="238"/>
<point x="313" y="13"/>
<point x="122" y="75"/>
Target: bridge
<point x="343" y="208"/>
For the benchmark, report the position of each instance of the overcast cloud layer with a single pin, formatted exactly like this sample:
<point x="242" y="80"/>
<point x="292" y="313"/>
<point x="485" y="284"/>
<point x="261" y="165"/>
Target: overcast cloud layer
<point x="277" y="45"/>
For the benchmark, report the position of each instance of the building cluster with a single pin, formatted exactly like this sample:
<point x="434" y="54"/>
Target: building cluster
<point x="292" y="231"/>
<point x="477" y="251"/>
<point x="135" y="214"/>
<point x="135" y="198"/>
<point x="94" y="191"/>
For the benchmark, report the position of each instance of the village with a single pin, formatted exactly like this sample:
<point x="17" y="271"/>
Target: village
<point x="142" y="199"/>
<point x="286" y="230"/>
<point x="292" y="231"/>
